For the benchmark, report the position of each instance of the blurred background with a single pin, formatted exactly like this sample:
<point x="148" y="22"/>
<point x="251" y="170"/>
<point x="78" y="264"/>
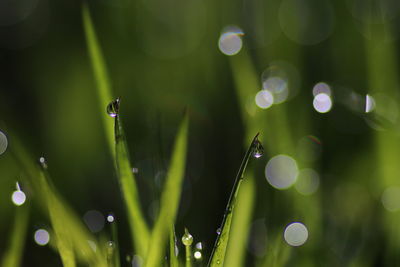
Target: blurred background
<point x="317" y="78"/>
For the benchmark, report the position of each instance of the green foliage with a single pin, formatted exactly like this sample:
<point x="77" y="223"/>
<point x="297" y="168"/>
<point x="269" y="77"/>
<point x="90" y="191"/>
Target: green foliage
<point x="170" y="197"/>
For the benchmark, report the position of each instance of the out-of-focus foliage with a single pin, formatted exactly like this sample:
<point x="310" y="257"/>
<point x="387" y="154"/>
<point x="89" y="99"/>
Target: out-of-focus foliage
<point x="317" y="78"/>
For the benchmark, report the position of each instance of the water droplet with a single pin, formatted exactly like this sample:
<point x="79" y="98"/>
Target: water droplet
<point x="218" y="261"/>
<point x="43" y="163"/>
<point x="197" y="255"/>
<point x="113" y="108"/>
<point x="135" y="170"/>
<point x="199" y="246"/>
<point x="187" y="238"/>
<point x="110" y="218"/>
<point x="258" y="149"/>
<point x="219" y="231"/>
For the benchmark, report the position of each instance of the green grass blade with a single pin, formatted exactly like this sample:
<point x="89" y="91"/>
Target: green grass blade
<point x="139" y="228"/>
<point x="100" y="74"/>
<point x="241" y="220"/>
<point x="70" y="235"/>
<point x="13" y="255"/>
<point x="170" y="198"/>
<point x="173" y="259"/>
<point x="218" y="254"/>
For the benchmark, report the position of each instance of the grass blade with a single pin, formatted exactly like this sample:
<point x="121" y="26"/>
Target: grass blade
<point x="13" y="255"/>
<point x="170" y="197"/>
<point x="63" y="219"/>
<point x="218" y="254"/>
<point x="173" y="259"/>
<point x="139" y="228"/>
<point x="100" y="74"/>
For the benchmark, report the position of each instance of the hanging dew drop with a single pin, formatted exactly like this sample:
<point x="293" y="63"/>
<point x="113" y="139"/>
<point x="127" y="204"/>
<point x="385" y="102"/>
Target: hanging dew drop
<point x="218" y="231"/>
<point x="187" y="238"/>
<point x="113" y="108"/>
<point x="258" y="149"/>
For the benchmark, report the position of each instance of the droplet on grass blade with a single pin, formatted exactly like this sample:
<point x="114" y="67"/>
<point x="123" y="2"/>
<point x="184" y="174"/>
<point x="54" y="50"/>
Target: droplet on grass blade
<point x="113" y="108"/>
<point x="258" y="150"/>
<point x="218" y="231"/>
<point x="197" y="255"/>
<point x="187" y="238"/>
<point x="43" y="163"/>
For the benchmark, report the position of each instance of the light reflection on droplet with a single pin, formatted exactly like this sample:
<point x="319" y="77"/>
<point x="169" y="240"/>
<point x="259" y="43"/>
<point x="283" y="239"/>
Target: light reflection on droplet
<point x="42" y="237"/>
<point x="197" y="255"/>
<point x="264" y="99"/>
<point x="322" y="103"/>
<point x="391" y="199"/>
<point x="258" y="149"/>
<point x="218" y="231"/>
<point x="369" y="103"/>
<point x="296" y="234"/>
<point x="135" y="170"/>
<point x="281" y="171"/>
<point x="110" y="218"/>
<point x="307" y="182"/>
<point x="320" y="88"/>
<point x="113" y="108"/>
<point x="94" y="220"/>
<point x="43" y="163"/>
<point x="3" y="142"/>
<point x="230" y="42"/>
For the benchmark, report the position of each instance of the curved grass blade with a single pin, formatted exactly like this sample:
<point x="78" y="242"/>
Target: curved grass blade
<point x="170" y="197"/>
<point x="173" y="250"/>
<point x="100" y="74"/>
<point x="13" y="255"/>
<point x="138" y="225"/>
<point x="218" y="254"/>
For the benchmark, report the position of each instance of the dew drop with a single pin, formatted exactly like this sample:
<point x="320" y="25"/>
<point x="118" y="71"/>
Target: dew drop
<point x="110" y="218"/>
<point x="218" y="261"/>
<point x="135" y="170"/>
<point x="219" y="231"/>
<point x="43" y="163"/>
<point x="187" y="238"/>
<point x="113" y="108"/>
<point x="258" y="149"/>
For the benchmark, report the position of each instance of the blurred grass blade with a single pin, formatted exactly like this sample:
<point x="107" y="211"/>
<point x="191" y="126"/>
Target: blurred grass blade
<point x="13" y="255"/>
<point x="218" y="254"/>
<point x="173" y="255"/>
<point x="170" y="198"/>
<point x="64" y="222"/>
<point x="71" y="236"/>
<point x="100" y="74"/>
<point x="114" y="236"/>
<point x="139" y="229"/>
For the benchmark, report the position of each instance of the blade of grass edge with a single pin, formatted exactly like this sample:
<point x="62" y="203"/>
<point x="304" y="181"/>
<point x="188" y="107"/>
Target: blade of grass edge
<point x="139" y="229"/>
<point x="13" y="255"/>
<point x="218" y="254"/>
<point x="170" y="197"/>
<point x="100" y="75"/>
<point x="173" y="259"/>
